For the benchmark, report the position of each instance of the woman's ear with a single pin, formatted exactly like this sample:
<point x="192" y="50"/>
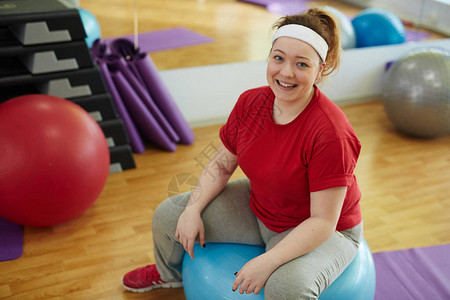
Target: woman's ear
<point x="319" y="73"/>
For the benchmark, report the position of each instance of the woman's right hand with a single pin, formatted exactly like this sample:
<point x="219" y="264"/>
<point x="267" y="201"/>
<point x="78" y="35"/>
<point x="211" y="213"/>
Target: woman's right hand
<point x="190" y="225"/>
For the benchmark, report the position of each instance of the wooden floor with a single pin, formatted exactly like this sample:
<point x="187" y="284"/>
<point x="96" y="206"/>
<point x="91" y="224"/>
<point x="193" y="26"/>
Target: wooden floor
<point x="404" y="181"/>
<point x="406" y="203"/>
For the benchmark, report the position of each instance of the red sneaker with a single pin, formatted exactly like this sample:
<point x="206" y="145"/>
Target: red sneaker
<point x="145" y="279"/>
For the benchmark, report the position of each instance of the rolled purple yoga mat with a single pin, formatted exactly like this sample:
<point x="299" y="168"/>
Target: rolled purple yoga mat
<point x="125" y="49"/>
<point x="136" y="74"/>
<point x="162" y="97"/>
<point x="145" y="121"/>
<point x="99" y="51"/>
<point x="144" y="96"/>
<point x="135" y="140"/>
<point x="158" y="91"/>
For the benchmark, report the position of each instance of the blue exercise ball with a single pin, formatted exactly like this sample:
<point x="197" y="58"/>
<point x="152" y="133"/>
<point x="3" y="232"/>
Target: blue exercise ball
<point x="376" y="27"/>
<point x="417" y="92"/>
<point x="91" y="26"/>
<point x="210" y="275"/>
<point x="348" y="37"/>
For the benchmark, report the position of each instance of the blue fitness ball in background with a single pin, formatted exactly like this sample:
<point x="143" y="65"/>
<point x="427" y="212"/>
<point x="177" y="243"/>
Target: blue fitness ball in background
<point x="91" y="26"/>
<point x="376" y="27"/>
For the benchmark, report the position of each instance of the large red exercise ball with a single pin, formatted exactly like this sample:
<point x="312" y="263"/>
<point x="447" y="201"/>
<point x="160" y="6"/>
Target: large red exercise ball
<point x="54" y="160"/>
<point x="377" y="27"/>
<point x="91" y="26"/>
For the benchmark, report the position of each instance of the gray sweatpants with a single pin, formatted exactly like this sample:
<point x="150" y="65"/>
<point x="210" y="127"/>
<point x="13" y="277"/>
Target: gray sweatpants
<point x="229" y="219"/>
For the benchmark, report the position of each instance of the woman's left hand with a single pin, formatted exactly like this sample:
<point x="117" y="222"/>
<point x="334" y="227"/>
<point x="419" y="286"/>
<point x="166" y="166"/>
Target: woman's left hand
<point x="254" y="274"/>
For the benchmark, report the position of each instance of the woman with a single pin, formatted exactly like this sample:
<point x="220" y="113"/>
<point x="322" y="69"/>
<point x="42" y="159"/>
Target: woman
<point x="301" y="198"/>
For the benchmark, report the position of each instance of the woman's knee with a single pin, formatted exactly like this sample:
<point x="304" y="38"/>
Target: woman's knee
<point x="167" y="213"/>
<point x="290" y="284"/>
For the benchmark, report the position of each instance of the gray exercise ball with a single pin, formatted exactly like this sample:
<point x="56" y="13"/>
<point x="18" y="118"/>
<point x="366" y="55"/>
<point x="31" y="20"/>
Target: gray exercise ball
<point x="417" y="93"/>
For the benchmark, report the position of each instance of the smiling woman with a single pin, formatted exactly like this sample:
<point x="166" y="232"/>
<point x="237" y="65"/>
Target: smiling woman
<point x="305" y="48"/>
<point x="300" y="196"/>
<point x="291" y="77"/>
<point x="404" y="181"/>
<point x="319" y="30"/>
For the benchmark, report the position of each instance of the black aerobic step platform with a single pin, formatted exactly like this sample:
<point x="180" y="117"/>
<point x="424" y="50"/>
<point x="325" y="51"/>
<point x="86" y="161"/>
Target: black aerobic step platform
<point x="121" y="159"/>
<point x="114" y="132"/>
<point x="68" y="85"/>
<point x="40" y="22"/>
<point x="40" y="59"/>
<point x="100" y="107"/>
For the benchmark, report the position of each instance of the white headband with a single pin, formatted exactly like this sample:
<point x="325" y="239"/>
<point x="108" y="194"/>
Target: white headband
<point x="305" y="34"/>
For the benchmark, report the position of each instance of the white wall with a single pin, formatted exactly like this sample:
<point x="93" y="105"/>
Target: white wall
<point x="361" y="72"/>
<point x="206" y="95"/>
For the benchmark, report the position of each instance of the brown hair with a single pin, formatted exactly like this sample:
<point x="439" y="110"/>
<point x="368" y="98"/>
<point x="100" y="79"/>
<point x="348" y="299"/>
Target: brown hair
<point x="324" y="24"/>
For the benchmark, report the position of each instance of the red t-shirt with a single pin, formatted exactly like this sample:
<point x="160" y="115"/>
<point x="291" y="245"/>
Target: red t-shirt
<point x="318" y="150"/>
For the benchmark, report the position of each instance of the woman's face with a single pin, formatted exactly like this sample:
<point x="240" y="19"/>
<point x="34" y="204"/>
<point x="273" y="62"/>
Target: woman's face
<point x="292" y="70"/>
